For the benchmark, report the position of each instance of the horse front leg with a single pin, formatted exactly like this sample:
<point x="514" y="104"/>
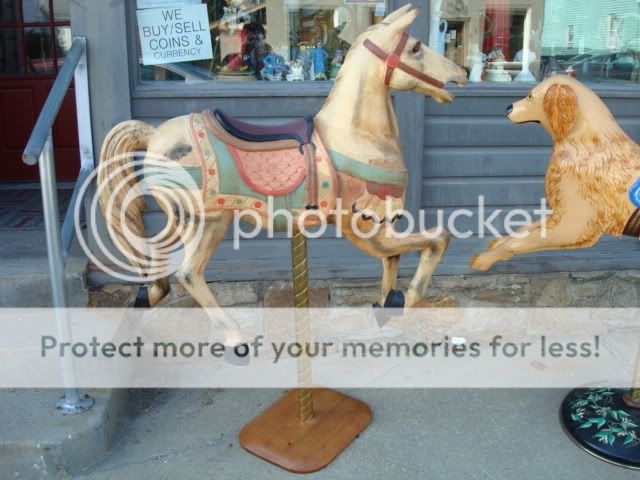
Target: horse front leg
<point x="389" y="276"/>
<point x="432" y="245"/>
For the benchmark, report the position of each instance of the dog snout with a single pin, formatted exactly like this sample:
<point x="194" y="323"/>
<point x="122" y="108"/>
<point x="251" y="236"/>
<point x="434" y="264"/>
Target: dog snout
<point x="510" y="109"/>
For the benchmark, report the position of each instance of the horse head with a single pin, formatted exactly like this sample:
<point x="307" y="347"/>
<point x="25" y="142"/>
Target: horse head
<point x="408" y="64"/>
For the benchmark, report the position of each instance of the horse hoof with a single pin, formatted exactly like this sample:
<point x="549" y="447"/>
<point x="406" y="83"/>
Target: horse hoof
<point x="395" y="299"/>
<point x="393" y="305"/>
<point x="382" y="317"/>
<point x="142" y="299"/>
<point x="237" y="356"/>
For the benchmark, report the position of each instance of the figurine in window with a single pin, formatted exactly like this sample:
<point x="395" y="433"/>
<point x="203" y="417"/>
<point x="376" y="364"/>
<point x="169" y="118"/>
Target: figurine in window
<point x="246" y="61"/>
<point x="260" y="51"/>
<point x="336" y="64"/>
<point x="296" y="74"/>
<point x="477" y="59"/>
<point x="304" y="58"/>
<point x="319" y="56"/>
<point x="274" y="66"/>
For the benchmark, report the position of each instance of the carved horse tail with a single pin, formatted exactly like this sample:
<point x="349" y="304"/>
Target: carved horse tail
<point x="121" y="199"/>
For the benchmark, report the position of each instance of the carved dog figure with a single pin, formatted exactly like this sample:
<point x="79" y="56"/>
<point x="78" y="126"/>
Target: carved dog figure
<point x="594" y="168"/>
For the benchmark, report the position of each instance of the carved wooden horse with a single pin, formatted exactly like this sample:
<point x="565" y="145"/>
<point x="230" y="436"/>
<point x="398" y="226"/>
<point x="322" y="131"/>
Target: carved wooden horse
<point x="350" y="150"/>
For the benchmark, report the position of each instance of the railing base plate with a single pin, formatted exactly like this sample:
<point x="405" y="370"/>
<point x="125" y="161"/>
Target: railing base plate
<point x="84" y="403"/>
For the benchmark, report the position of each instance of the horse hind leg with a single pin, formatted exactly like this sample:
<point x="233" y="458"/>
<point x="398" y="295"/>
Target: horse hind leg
<point x="198" y="251"/>
<point x="168" y="237"/>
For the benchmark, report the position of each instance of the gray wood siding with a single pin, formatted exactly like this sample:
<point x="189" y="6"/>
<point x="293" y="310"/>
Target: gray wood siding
<point x="472" y="149"/>
<point x="454" y="152"/>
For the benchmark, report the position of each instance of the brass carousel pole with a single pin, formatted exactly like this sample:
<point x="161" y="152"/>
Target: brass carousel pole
<point x="300" y="271"/>
<point x="328" y="421"/>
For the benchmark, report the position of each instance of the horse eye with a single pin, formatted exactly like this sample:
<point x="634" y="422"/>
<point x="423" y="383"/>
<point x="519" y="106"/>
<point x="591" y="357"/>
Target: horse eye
<point x="416" y="48"/>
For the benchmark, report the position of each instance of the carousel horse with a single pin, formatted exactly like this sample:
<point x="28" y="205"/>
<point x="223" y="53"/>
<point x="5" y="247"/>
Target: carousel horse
<point x="593" y="180"/>
<point x="349" y="151"/>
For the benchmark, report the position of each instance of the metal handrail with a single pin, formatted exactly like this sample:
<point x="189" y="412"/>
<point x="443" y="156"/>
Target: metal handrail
<point x="47" y="117"/>
<point x="40" y="150"/>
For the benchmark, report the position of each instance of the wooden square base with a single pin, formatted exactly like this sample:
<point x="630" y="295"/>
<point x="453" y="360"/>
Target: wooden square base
<point x="277" y="436"/>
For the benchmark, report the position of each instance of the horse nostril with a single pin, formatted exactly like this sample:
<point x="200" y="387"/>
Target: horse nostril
<point x="510" y="109"/>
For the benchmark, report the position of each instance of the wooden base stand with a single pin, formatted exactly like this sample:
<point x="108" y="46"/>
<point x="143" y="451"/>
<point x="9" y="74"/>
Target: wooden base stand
<point x="307" y="428"/>
<point x="278" y="436"/>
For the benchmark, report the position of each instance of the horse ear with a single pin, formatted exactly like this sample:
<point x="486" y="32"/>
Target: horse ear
<point x="400" y="24"/>
<point x="561" y="108"/>
<point x="393" y="16"/>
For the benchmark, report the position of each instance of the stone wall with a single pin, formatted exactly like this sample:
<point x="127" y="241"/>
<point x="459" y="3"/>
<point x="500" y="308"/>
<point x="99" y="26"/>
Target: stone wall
<point x="596" y="289"/>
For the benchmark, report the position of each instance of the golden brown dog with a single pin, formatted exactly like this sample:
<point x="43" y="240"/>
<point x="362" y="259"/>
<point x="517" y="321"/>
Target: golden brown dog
<point x="593" y="167"/>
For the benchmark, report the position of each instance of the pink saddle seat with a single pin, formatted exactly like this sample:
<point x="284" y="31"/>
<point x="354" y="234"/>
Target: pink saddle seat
<point x="275" y="173"/>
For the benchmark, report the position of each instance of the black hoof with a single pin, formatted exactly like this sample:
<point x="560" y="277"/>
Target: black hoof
<point x="142" y="299"/>
<point x="395" y="299"/>
<point x="393" y="305"/>
<point x="381" y="315"/>
<point x="312" y="206"/>
<point x="238" y="355"/>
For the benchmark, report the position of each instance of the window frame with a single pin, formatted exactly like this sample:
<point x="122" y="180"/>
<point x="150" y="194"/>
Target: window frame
<point x="215" y="89"/>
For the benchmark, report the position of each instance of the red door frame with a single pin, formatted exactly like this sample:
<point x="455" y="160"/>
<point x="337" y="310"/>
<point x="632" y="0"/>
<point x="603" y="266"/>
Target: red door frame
<point x="22" y="96"/>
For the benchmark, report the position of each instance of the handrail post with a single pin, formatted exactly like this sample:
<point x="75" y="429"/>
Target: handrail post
<point x="85" y="142"/>
<point x="72" y="401"/>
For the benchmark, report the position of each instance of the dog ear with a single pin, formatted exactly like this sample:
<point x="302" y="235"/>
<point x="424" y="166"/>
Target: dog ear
<point x="561" y="107"/>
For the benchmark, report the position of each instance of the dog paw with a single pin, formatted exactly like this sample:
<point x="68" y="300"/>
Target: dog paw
<point x="496" y="243"/>
<point x="482" y="261"/>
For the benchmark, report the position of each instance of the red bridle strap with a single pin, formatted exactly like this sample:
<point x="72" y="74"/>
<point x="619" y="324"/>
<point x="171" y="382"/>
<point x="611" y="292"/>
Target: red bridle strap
<point x="393" y="61"/>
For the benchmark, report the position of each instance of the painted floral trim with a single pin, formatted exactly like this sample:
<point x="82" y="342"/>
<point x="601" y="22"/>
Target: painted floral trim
<point x="592" y="409"/>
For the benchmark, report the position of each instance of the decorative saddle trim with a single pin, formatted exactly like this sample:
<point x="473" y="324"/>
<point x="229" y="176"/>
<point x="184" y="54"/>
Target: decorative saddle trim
<point x="255" y="155"/>
<point x="370" y="173"/>
<point x="223" y="185"/>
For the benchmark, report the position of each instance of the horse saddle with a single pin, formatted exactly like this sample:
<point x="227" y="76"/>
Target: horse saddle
<point x="271" y="159"/>
<point x="299" y="129"/>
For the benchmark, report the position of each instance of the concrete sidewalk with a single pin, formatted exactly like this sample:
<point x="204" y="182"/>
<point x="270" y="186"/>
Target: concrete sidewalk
<point x="38" y="442"/>
<point x="426" y="434"/>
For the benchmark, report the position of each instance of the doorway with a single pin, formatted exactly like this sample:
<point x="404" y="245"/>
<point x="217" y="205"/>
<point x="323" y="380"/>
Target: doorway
<point x="35" y="37"/>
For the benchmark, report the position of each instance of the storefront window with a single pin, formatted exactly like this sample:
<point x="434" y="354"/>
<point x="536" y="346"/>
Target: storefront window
<point x="528" y="40"/>
<point x="266" y="40"/>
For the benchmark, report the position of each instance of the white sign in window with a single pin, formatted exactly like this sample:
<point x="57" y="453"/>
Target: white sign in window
<point x="177" y="34"/>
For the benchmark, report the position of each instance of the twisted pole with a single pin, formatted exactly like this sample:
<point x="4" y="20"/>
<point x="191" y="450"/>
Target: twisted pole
<point x="300" y="273"/>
